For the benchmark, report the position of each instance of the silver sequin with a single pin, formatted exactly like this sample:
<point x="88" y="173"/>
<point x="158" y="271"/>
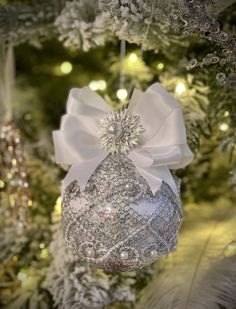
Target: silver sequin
<point x="116" y="223"/>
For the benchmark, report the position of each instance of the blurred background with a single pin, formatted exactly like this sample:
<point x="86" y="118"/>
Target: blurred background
<point x="48" y="47"/>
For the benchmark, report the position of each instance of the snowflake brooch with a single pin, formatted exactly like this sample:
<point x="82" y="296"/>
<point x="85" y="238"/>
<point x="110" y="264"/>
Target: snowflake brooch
<point x="120" y="132"/>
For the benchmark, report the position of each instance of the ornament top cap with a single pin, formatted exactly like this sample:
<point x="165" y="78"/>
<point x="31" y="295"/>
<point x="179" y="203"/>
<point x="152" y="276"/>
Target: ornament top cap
<point x="161" y="143"/>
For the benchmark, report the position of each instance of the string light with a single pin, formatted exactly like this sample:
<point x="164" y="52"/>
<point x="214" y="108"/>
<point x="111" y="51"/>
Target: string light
<point x="42" y="246"/>
<point x="66" y="67"/>
<point x="224" y="127"/>
<point x="22" y="276"/>
<point x="133" y="57"/>
<point x="98" y="85"/>
<point x="102" y="84"/>
<point x="58" y="206"/>
<point x="9" y="176"/>
<point x="122" y="94"/>
<point x="160" y="66"/>
<point x="2" y="184"/>
<point x="226" y="113"/>
<point x="180" y="88"/>
<point x="13" y="182"/>
<point x="44" y="253"/>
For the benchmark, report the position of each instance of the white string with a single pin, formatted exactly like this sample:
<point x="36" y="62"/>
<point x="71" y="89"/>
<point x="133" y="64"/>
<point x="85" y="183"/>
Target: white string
<point x="147" y="29"/>
<point x="131" y="87"/>
<point x="122" y="58"/>
<point x="7" y="74"/>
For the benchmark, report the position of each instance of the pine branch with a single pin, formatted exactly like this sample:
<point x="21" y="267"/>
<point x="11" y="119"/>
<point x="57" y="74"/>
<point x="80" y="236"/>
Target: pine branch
<point x="20" y="23"/>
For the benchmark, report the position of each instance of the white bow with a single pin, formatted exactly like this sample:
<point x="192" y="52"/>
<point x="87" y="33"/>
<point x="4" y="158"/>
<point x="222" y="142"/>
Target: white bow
<point x="163" y="147"/>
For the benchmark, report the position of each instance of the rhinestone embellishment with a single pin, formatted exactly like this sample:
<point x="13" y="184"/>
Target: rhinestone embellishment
<point x="120" y="132"/>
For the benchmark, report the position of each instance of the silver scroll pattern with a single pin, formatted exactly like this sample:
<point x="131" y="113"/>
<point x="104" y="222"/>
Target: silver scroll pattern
<point x="116" y="223"/>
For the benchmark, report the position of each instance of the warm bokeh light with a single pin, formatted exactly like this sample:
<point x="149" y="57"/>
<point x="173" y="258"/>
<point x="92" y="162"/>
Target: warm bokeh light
<point x="122" y="94"/>
<point x="44" y="253"/>
<point x="98" y="85"/>
<point x="180" y="88"/>
<point x="2" y="184"/>
<point x="58" y="206"/>
<point x="42" y="246"/>
<point x="133" y="57"/>
<point x="160" y="66"/>
<point x="224" y="127"/>
<point x="102" y="84"/>
<point x="22" y="276"/>
<point x="66" y="67"/>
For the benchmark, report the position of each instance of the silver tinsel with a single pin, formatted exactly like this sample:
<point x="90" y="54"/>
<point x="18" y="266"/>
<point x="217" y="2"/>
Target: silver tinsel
<point x="116" y="223"/>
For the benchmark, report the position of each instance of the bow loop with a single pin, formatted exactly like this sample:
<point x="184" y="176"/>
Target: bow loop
<point x="86" y="102"/>
<point x="163" y="143"/>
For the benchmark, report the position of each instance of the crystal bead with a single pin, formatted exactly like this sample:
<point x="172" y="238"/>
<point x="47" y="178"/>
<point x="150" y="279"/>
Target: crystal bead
<point x="89" y="187"/>
<point x="153" y="253"/>
<point x="115" y="129"/>
<point x="130" y="188"/>
<point x="124" y="255"/>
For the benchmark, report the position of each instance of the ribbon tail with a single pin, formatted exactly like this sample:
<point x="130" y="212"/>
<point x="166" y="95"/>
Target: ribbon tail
<point x="155" y="176"/>
<point x="185" y="159"/>
<point x="83" y="171"/>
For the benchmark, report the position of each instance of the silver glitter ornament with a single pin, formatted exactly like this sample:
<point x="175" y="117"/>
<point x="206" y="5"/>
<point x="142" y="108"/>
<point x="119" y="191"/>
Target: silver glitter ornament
<point x="116" y="222"/>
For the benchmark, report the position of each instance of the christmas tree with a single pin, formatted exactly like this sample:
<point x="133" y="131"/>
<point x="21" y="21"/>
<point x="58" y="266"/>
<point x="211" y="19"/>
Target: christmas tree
<point x="48" y="47"/>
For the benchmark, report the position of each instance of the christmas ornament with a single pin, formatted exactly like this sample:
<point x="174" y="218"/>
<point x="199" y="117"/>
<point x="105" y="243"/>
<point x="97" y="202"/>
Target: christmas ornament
<point x="121" y="204"/>
<point x="14" y="191"/>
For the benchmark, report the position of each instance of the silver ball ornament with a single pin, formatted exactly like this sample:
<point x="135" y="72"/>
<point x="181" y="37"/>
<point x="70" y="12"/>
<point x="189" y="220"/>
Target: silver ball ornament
<point x="117" y="227"/>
